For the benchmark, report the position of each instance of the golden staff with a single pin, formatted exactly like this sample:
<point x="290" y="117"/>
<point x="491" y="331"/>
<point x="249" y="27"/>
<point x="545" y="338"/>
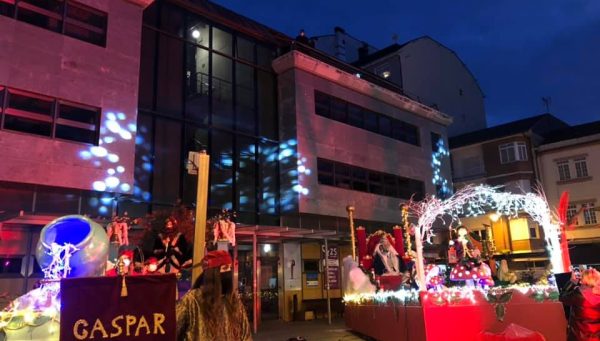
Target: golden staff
<point x="406" y="226"/>
<point x="350" y="210"/>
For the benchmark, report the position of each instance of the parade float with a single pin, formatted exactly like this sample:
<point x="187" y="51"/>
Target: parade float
<point x="415" y="302"/>
<point x="80" y="299"/>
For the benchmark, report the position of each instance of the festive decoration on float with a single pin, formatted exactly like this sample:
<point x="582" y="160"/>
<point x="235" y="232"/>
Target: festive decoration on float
<point x="41" y="305"/>
<point x="437" y="157"/>
<point x="223" y="227"/>
<point x="477" y="200"/>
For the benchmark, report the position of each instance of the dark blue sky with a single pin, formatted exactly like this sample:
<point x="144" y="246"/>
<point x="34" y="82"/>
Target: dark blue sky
<point x="518" y="50"/>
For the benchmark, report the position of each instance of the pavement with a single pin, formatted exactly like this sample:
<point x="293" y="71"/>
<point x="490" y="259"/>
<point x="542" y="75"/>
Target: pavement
<point x="316" y="330"/>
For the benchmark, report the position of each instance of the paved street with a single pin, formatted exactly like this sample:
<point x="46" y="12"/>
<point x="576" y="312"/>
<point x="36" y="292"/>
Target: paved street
<point x="317" y="330"/>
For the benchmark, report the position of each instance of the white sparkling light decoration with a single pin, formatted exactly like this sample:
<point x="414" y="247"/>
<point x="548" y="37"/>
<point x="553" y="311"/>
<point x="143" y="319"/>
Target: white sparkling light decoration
<point x="477" y="200"/>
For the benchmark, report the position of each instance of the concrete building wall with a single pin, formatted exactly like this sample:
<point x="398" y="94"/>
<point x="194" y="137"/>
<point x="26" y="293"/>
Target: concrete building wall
<point x="40" y="61"/>
<point x="321" y="137"/>
<point x="581" y="189"/>
<point x="434" y="74"/>
<point x="342" y="45"/>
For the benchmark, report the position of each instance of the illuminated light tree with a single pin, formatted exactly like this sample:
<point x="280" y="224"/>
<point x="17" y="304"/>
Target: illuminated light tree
<point x="472" y="201"/>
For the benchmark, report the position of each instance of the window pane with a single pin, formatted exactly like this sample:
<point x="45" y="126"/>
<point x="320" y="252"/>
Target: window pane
<point x="371" y="121"/>
<point x="76" y="134"/>
<point x="143" y="157"/>
<point x="246" y="175"/>
<point x="222" y="91"/>
<point x="325" y="166"/>
<point x="267" y="105"/>
<point x="45" y="13"/>
<point x="269" y="178"/>
<point x="197" y="31"/>
<point x="197" y="84"/>
<point x="265" y="56"/>
<point x="385" y="126"/>
<point x="147" y="75"/>
<point x="171" y="19"/>
<point x="221" y="173"/>
<point x="32" y="104"/>
<point x="245" y="107"/>
<point x="222" y="41"/>
<point x="170" y="65"/>
<point x="27" y="125"/>
<point x="322" y="104"/>
<point x="390" y="185"/>
<point x="338" y="110"/>
<point x="167" y="161"/>
<point x="355" y="116"/>
<point x="244" y="49"/>
<point x="78" y="113"/>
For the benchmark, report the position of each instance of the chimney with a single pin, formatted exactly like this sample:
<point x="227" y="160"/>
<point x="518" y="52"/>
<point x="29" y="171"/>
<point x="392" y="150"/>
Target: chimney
<point x="340" y="43"/>
<point x="363" y="51"/>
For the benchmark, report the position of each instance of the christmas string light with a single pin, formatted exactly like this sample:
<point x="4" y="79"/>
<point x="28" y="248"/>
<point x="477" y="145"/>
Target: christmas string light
<point x="472" y="201"/>
<point x="41" y="305"/>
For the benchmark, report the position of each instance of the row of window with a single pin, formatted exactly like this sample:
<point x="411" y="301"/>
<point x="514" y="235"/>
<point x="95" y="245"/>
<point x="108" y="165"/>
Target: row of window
<point x="36" y="114"/>
<point x="67" y="17"/>
<point x="356" y="116"/>
<point x="564" y="168"/>
<point x="589" y="214"/>
<point x="513" y="152"/>
<point x="346" y="176"/>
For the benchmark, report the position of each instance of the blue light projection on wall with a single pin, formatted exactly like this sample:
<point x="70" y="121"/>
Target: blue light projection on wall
<point x="438" y="158"/>
<point x="293" y="175"/>
<point x="114" y="128"/>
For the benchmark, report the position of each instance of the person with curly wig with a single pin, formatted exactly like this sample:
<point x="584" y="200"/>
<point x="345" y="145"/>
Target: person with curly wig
<point x="212" y="310"/>
<point x="583" y="297"/>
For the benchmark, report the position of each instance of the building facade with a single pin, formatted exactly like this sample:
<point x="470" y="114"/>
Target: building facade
<point x="570" y="162"/>
<point x="108" y="119"/>
<point x="68" y="111"/>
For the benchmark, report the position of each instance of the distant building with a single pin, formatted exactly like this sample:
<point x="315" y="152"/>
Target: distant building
<point x="425" y="69"/>
<point x="570" y="161"/>
<point x="505" y="155"/>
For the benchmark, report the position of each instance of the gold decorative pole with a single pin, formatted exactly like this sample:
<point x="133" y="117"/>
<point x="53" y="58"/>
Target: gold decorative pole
<point x="350" y="210"/>
<point x="202" y="163"/>
<point x="406" y="227"/>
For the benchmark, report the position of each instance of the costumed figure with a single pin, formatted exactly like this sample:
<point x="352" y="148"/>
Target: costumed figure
<point x="355" y="280"/>
<point x="469" y="268"/>
<point x="118" y="230"/>
<point x="386" y="258"/>
<point x="212" y="310"/>
<point x="583" y="297"/>
<point x="151" y="266"/>
<point x="171" y="249"/>
<point x="124" y="265"/>
<point x="433" y="278"/>
<point x="224" y="229"/>
<point x="505" y="275"/>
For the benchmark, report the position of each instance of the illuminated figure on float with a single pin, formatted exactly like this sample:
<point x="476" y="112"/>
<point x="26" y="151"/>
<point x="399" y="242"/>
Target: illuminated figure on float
<point x="70" y="246"/>
<point x="386" y="258"/>
<point x="469" y="268"/>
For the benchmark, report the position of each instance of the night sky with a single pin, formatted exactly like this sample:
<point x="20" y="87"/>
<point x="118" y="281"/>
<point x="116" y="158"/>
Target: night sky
<point x="519" y="51"/>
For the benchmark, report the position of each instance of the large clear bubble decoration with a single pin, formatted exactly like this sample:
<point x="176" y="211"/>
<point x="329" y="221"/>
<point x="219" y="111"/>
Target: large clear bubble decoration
<point x="86" y="235"/>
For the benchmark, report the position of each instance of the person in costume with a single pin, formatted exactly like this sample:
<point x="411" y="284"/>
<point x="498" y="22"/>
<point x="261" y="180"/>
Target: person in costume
<point x="171" y="249"/>
<point x="212" y="310"/>
<point x="469" y="268"/>
<point x="386" y="260"/>
<point x="582" y="295"/>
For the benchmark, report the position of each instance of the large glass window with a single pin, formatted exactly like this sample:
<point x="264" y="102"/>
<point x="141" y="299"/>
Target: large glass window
<point x="167" y="161"/>
<point x="197" y="103"/>
<point x="68" y="17"/>
<point x="512" y="152"/>
<point x="222" y="41"/>
<point x="246" y="178"/>
<point x="222" y="93"/>
<point x="244" y="93"/>
<point x="221" y="172"/>
<point x="198" y="31"/>
<point x="169" y="77"/>
<point x="267" y="105"/>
